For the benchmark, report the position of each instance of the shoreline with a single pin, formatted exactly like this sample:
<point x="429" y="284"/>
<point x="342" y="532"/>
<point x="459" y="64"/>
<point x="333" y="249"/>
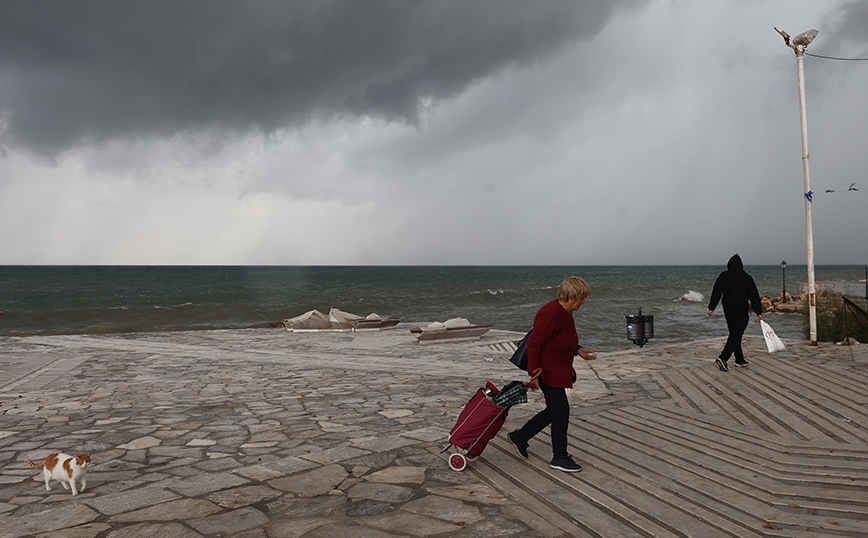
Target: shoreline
<point x="95" y="300"/>
<point x="402" y="328"/>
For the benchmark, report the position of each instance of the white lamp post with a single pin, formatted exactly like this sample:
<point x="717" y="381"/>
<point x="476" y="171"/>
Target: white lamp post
<point x="799" y="45"/>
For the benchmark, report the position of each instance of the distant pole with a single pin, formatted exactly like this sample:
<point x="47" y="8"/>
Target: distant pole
<point x="799" y="45"/>
<point x="784" y="291"/>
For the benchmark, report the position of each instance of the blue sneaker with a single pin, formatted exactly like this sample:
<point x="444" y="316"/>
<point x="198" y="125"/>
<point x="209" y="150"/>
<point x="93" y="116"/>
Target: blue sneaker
<point x="519" y="444"/>
<point x="722" y="365"/>
<point x="566" y="465"/>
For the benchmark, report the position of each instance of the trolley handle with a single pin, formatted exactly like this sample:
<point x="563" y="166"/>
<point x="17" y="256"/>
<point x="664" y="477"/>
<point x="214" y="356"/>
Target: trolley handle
<point x="536" y="374"/>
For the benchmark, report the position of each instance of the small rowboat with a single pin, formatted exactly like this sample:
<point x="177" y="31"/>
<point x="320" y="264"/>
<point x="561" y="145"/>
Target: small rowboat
<point x="451" y="330"/>
<point x="374" y="324"/>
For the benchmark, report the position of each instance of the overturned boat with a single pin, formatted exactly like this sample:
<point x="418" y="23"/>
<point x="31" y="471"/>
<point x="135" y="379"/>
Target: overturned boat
<point x="338" y="321"/>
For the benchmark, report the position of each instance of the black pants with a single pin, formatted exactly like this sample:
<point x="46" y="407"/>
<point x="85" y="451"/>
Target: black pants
<point x="736" y="321"/>
<point x="556" y="413"/>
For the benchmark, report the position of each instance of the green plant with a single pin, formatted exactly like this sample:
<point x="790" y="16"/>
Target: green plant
<point x="834" y="321"/>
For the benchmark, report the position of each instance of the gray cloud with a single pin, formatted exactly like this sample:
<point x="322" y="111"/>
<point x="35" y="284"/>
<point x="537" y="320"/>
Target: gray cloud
<point x="88" y="72"/>
<point x="427" y="132"/>
<point x="848" y="27"/>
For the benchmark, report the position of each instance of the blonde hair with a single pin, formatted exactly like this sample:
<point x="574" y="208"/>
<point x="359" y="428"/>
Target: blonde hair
<point x="573" y="288"/>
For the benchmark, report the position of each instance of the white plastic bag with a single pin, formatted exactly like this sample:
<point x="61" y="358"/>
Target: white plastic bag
<point x="772" y="341"/>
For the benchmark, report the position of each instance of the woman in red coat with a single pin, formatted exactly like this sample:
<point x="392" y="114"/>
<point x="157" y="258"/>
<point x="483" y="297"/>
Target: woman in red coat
<point x="552" y="346"/>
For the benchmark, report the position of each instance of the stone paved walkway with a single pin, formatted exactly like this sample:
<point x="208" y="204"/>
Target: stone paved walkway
<point x="266" y="433"/>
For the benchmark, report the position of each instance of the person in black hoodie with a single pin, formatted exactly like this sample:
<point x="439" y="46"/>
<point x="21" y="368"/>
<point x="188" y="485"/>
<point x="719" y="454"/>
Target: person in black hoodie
<point x="737" y="288"/>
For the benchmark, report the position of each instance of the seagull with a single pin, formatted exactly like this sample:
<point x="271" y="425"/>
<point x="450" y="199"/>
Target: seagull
<point x="785" y="35"/>
<point x="852" y="187"/>
<point x="809" y="195"/>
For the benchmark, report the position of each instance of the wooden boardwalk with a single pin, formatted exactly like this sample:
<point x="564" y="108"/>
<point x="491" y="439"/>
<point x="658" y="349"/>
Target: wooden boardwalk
<point x="776" y="449"/>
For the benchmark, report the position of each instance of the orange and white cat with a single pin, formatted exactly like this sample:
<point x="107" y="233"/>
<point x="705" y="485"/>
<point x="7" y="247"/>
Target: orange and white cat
<point x="65" y="469"/>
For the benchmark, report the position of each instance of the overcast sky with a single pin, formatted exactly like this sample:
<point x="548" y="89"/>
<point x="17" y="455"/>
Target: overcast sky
<point x="429" y="132"/>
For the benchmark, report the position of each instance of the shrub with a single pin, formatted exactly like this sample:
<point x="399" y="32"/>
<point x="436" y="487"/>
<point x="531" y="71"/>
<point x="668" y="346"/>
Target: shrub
<point x="834" y="321"/>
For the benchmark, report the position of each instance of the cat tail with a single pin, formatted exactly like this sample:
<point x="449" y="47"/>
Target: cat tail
<point x="35" y="465"/>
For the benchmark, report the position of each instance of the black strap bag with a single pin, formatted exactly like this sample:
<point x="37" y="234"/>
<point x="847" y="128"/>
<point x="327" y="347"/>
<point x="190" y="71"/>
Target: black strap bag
<point x="519" y="358"/>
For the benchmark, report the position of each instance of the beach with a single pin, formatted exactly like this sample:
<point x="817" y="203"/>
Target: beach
<point x="266" y="433"/>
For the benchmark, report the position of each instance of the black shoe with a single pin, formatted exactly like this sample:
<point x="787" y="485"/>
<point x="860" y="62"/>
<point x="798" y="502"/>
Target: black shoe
<point x="741" y="364"/>
<point x="519" y="444"/>
<point x="722" y="365"/>
<point x="566" y="465"/>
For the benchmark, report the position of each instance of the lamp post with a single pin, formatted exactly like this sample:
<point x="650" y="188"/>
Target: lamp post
<point x="784" y="270"/>
<point x="799" y="45"/>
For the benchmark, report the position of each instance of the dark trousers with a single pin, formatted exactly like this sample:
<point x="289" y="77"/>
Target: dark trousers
<point x="556" y="413"/>
<point x="736" y="321"/>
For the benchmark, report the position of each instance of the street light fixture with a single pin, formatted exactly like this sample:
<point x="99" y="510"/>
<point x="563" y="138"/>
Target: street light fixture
<point x="804" y="39"/>
<point x="784" y="270"/>
<point x="799" y="45"/>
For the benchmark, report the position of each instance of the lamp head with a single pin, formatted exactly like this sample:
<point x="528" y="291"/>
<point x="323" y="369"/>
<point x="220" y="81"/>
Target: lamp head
<point x="783" y="265"/>
<point x="804" y="39"/>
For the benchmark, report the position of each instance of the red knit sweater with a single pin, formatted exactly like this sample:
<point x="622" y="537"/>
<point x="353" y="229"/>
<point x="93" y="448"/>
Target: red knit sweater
<point x="552" y="345"/>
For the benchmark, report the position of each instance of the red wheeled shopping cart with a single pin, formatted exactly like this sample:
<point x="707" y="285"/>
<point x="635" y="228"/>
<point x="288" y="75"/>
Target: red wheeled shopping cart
<point x="481" y="419"/>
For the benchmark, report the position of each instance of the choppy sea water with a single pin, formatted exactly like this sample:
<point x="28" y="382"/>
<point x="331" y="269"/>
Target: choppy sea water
<point x="119" y="299"/>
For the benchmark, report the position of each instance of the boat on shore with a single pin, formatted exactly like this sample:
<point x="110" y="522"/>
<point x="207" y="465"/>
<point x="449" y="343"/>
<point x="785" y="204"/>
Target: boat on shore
<point x="450" y="330"/>
<point x="374" y="324"/>
<point x="338" y="321"/>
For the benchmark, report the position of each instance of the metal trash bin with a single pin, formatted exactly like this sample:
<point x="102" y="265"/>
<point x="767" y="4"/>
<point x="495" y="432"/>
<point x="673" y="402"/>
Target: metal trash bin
<point x="640" y="328"/>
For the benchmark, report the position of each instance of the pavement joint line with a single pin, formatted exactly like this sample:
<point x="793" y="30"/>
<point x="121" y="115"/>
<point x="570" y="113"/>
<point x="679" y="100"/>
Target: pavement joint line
<point x="53" y="366"/>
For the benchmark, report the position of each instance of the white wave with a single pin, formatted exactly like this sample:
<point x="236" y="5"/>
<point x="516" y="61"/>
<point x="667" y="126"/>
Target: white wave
<point x="167" y="307"/>
<point x="692" y="296"/>
<point x="489" y="291"/>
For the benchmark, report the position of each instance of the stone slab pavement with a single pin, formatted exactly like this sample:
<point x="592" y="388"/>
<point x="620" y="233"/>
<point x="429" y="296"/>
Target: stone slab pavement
<point x="267" y="433"/>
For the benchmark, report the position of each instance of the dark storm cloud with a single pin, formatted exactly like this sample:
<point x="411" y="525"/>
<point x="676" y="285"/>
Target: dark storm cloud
<point x="843" y="34"/>
<point x="84" y="72"/>
<point x="853" y="26"/>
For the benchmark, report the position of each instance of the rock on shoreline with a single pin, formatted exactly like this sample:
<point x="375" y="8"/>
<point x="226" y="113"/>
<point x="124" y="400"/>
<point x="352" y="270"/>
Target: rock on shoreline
<point x="787" y="304"/>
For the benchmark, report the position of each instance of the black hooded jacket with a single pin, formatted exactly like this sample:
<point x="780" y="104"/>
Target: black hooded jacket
<point x="736" y="287"/>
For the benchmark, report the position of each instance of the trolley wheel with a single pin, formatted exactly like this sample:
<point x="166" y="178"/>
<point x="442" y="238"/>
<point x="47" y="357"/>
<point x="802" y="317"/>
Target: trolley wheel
<point x="457" y="462"/>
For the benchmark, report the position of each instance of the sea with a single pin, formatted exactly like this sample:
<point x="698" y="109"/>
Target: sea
<point x="54" y="300"/>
